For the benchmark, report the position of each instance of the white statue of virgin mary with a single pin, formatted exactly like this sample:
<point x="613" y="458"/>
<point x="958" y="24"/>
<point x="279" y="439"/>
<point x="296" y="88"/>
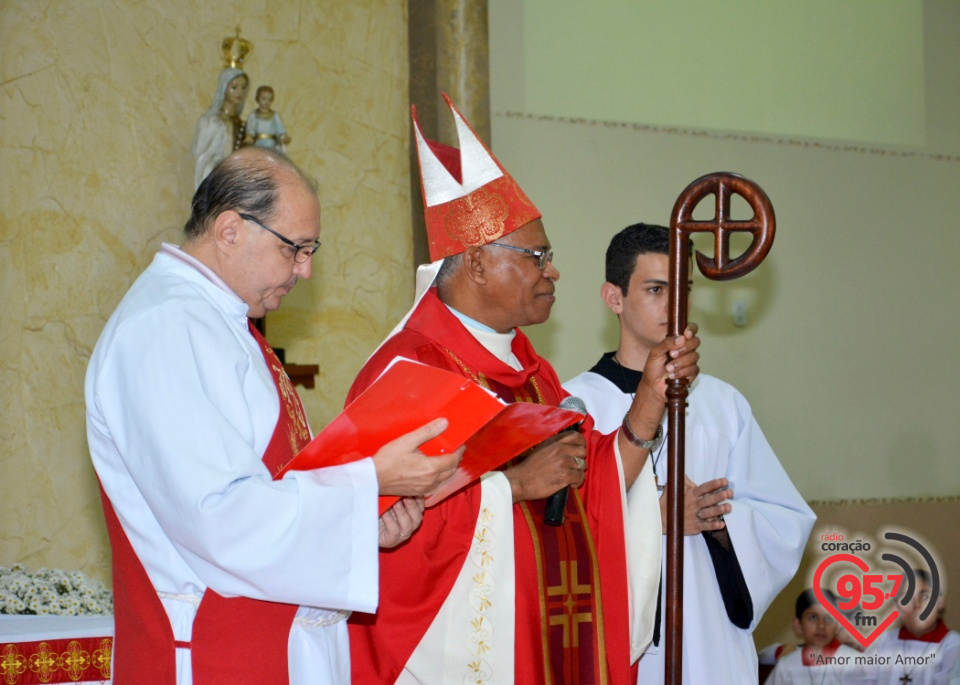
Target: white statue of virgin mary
<point x="220" y="129"/>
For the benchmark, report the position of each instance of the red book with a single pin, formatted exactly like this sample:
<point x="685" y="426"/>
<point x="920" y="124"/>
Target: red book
<point x="409" y="394"/>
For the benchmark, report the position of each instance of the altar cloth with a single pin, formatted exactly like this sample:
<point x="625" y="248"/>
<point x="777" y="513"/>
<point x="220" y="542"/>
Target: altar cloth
<point x="55" y="649"/>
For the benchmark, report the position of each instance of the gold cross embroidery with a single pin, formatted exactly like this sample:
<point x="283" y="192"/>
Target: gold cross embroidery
<point x="570" y="624"/>
<point x="75" y="661"/>
<point x="570" y="619"/>
<point x="44" y="662"/>
<point x="103" y="656"/>
<point x="13" y="664"/>
<point x="574" y="587"/>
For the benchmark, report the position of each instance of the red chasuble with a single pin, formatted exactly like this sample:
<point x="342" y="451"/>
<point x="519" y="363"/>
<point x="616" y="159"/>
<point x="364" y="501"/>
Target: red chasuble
<point x="571" y="616"/>
<point x="235" y="639"/>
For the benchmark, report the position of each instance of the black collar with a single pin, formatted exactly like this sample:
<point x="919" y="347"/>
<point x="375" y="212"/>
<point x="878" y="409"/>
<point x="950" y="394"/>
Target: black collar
<point x="625" y="379"/>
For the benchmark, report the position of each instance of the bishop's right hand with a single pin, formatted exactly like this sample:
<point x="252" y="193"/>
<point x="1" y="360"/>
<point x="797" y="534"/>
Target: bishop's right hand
<point x="402" y="469"/>
<point x="554" y="464"/>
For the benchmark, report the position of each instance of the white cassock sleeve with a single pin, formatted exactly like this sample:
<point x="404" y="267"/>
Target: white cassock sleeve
<point x="181" y="407"/>
<point x="768" y="524"/>
<point x="642" y="526"/>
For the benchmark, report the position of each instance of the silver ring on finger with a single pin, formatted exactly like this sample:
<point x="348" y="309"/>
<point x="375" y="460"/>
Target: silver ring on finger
<point x="581" y="463"/>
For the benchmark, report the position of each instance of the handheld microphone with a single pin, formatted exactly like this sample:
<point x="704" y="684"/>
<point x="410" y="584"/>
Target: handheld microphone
<point x="556" y="503"/>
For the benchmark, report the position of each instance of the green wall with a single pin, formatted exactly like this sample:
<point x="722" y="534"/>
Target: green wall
<point x="849" y="355"/>
<point x="819" y="68"/>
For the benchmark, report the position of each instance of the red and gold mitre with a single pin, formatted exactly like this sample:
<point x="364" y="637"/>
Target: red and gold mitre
<point x="468" y="198"/>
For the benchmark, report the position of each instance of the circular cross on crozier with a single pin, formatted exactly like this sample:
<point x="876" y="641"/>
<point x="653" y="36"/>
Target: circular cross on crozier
<point x="723" y="186"/>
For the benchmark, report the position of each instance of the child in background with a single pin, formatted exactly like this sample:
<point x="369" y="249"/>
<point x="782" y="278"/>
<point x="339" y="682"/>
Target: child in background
<point x="921" y="652"/>
<point x="821" y="659"/>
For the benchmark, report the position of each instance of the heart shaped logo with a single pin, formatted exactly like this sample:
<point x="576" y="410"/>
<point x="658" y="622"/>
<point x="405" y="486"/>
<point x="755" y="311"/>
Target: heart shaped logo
<point x="864" y="640"/>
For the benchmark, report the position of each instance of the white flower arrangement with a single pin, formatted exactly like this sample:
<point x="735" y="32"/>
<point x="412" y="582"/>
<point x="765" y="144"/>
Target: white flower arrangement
<point x="52" y="593"/>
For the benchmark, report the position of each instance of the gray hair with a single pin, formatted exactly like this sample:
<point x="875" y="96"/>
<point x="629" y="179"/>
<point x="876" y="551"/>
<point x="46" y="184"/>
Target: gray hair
<point x="247" y="182"/>
<point x="448" y="268"/>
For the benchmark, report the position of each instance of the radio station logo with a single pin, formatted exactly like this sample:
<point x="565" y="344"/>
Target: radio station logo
<point x="868" y="601"/>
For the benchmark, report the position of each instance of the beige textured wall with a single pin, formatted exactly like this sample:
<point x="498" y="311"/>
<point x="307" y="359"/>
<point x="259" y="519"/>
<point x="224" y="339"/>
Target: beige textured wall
<point x="98" y="103"/>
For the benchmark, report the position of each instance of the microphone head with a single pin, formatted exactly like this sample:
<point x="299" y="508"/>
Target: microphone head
<point x="574" y="404"/>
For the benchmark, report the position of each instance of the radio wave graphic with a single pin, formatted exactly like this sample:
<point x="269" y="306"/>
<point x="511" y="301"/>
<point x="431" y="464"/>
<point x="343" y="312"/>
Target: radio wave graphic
<point x="908" y="572"/>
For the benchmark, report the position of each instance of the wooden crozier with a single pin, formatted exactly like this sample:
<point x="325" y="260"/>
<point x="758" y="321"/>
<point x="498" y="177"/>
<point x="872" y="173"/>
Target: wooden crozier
<point x="722" y="186"/>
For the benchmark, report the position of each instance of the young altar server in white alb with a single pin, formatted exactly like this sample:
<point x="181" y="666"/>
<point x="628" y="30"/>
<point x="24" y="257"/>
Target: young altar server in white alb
<point x="820" y="659"/>
<point x="922" y="651"/>
<point x="745" y="523"/>
<point x="222" y="574"/>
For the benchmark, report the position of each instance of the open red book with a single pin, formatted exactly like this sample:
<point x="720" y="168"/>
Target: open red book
<point x="409" y="394"/>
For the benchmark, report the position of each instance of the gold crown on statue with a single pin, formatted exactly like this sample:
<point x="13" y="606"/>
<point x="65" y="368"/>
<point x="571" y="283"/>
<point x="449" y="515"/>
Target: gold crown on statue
<point x="235" y="49"/>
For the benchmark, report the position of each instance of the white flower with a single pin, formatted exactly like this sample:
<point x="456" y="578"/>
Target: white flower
<point x="52" y="591"/>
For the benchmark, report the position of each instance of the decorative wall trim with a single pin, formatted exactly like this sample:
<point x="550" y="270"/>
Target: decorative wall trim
<point x="810" y="143"/>
<point x="950" y="499"/>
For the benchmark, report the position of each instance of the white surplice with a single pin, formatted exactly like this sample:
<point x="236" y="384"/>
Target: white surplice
<point x="925" y="663"/>
<point x="180" y="409"/>
<point x="838" y="669"/>
<point x="768" y="525"/>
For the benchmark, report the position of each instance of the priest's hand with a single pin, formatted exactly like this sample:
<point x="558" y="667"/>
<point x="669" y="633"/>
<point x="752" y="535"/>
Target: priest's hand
<point x="703" y="507"/>
<point x="402" y="469"/>
<point x="399" y="521"/>
<point x="553" y="465"/>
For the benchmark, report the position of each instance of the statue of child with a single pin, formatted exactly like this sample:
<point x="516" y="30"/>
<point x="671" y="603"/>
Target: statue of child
<point x="264" y="127"/>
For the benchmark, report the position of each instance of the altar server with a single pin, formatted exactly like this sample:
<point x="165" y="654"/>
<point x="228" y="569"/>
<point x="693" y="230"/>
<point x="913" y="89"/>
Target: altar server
<point x="922" y="651"/>
<point x="820" y="659"/>
<point x="222" y="574"/>
<point x="745" y="523"/>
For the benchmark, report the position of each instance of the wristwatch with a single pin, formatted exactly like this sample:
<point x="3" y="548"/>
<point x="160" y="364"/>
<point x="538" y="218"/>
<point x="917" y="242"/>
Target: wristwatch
<point x="634" y="439"/>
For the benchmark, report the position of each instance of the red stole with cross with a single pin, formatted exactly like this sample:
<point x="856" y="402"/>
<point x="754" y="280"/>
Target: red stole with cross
<point x="235" y="639"/>
<point x="567" y="630"/>
<point x="565" y="561"/>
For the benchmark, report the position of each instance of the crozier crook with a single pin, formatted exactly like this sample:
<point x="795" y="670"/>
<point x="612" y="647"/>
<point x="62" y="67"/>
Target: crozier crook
<point x="720" y="268"/>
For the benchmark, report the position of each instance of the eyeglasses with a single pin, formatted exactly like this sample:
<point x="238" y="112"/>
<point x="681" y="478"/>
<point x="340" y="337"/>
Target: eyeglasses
<point x="544" y="257"/>
<point x="301" y="253"/>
